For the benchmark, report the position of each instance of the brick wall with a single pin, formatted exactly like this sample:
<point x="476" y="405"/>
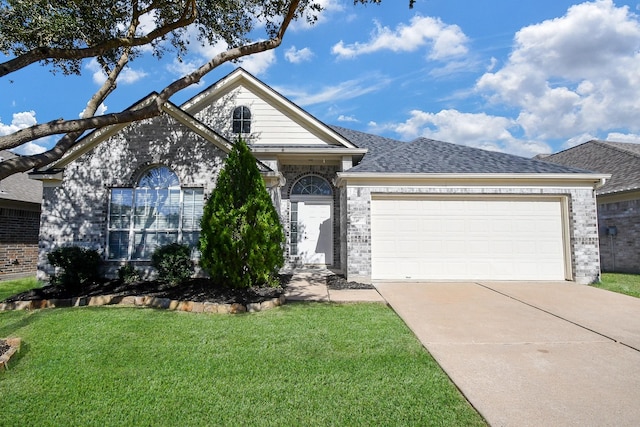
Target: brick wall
<point x="583" y="239"/>
<point x="75" y="213"/>
<point x="620" y="253"/>
<point x="18" y="242"/>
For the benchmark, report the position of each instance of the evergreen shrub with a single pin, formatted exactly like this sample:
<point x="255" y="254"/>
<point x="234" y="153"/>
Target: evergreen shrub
<point x="241" y="238"/>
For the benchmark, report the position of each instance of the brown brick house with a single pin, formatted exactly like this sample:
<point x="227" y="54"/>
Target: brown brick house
<point x="20" y="202"/>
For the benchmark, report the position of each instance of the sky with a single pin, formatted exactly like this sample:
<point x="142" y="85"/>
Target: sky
<point x="523" y="77"/>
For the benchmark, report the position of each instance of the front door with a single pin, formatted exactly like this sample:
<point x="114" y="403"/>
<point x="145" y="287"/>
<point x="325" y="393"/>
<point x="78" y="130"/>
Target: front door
<point x="313" y="239"/>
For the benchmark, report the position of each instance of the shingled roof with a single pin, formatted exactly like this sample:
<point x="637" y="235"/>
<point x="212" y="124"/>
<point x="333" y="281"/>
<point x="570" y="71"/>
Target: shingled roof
<point x="424" y="155"/>
<point x="621" y="160"/>
<point x="18" y="187"/>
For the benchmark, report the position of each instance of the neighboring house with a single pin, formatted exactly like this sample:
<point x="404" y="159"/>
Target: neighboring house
<point x="618" y="200"/>
<point x="20" y="200"/>
<point x="371" y="207"/>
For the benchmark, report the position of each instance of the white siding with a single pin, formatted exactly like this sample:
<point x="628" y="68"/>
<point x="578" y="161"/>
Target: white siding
<point x="271" y="125"/>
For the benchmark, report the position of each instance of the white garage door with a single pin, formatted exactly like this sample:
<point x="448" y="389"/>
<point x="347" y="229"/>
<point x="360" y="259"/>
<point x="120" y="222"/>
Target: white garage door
<point x="467" y="239"/>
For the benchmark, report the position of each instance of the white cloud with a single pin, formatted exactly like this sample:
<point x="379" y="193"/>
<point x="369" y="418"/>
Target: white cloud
<point x="573" y="75"/>
<point x="258" y="63"/>
<point x="100" y="111"/>
<point x="624" y="137"/>
<point x="444" y="41"/>
<point x="24" y="120"/>
<point x="346" y="90"/>
<point x="478" y="130"/>
<point x="347" y="119"/>
<point x="30" y="148"/>
<point x="127" y="76"/>
<point x="297" y="56"/>
<point x="19" y="121"/>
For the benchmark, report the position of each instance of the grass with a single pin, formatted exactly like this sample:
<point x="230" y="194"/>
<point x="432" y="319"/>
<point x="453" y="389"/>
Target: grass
<point x="628" y="284"/>
<point x="301" y="364"/>
<point x="12" y="287"/>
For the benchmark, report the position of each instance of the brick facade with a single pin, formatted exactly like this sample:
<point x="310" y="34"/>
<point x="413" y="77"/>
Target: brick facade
<point x="583" y="239"/>
<point x="18" y="242"/>
<point x="75" y="213"/>
<point x="620" y="252"/>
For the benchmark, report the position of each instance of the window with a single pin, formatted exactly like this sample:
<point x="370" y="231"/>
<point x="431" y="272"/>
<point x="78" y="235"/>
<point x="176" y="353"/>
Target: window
<point x="311" y="185"/>
<point x="241" y="120"/>
<point x="154" y="213"/>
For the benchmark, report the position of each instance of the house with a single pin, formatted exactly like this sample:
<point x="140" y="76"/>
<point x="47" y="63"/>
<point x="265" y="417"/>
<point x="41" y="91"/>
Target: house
<point x="20" y="199"/>
<point x="371" y="207"/>
<point x="618" y="200"/>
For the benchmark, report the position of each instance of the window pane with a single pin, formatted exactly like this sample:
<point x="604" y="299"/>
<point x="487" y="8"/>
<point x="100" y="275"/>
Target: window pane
<point x="161" y="177"/>
<point x="167" y="209"/>
<point x="241" y="121"/>
<point x="192" y="205"/>
<point x="145" y="242"/>
<point x="118" y="244"/>
<point x="191" y="239"/>
<point x="312" y="185"/>
<point x="120" y="208"/>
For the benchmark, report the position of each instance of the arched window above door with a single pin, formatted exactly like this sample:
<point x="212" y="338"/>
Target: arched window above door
<point x="311" y="185"/>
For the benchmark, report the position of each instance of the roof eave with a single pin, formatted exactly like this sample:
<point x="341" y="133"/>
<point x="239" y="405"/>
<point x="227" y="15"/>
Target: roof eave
<point x="593" y="180"/>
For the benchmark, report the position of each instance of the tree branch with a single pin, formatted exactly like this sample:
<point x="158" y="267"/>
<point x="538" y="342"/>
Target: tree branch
<point x="75" y="128"/>
<point x="42" y="53"/>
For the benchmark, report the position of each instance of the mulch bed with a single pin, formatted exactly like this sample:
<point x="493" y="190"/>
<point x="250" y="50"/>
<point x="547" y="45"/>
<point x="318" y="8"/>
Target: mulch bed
<point x="338" y="282"/>
<point x="196" y="290"/>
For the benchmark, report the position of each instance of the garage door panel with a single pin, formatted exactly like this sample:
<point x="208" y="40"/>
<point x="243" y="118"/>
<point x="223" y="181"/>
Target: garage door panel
<point x="455" y="239"/>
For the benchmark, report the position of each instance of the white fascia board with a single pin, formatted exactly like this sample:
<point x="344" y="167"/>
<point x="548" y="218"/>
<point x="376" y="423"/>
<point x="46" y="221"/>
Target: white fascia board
<point x="445" y="179"/>
<point x="197" y="127"/>
<point x="264" y="149"/>
<point x="49" y="179"/>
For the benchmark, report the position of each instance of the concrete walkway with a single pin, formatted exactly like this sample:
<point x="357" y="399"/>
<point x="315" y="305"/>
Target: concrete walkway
<point x="531" y="354"/>
<point x="311" y="285"/>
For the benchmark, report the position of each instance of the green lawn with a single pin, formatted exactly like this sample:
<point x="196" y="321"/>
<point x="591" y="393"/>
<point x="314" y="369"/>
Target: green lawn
<point x="12" y="287"/>
<point x="300" y="364"/>
<point x="628" y="284"/>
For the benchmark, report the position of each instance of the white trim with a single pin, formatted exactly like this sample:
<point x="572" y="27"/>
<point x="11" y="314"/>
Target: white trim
<point x="443" y="179"/>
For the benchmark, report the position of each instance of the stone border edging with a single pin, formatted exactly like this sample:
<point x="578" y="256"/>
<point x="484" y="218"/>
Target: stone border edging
<point x="145" y="301"/>
<point x="14" y="346"/>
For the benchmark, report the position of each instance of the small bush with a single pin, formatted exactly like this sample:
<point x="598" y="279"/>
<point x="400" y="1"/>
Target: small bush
<point x="78" y="266"/>
<point x="128" y="274"/>
<point x="173" y="263"/>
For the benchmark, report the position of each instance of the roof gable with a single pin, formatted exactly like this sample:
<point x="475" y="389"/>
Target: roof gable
<point x="621" y="160"/>
<point x="275" y="120"/>
<point x="96" y="137"/>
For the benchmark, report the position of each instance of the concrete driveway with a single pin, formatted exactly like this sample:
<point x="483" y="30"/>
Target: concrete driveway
<point x="531" y="354"/>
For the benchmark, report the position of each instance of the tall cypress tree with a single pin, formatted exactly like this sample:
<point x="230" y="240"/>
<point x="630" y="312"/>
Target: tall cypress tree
<point x="241" y="241"/>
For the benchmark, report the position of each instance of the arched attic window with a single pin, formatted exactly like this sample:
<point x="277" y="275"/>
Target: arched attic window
<point x="241" y="122"/>
<point x="311" y="185"/>
<point x="156" y="212"/>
